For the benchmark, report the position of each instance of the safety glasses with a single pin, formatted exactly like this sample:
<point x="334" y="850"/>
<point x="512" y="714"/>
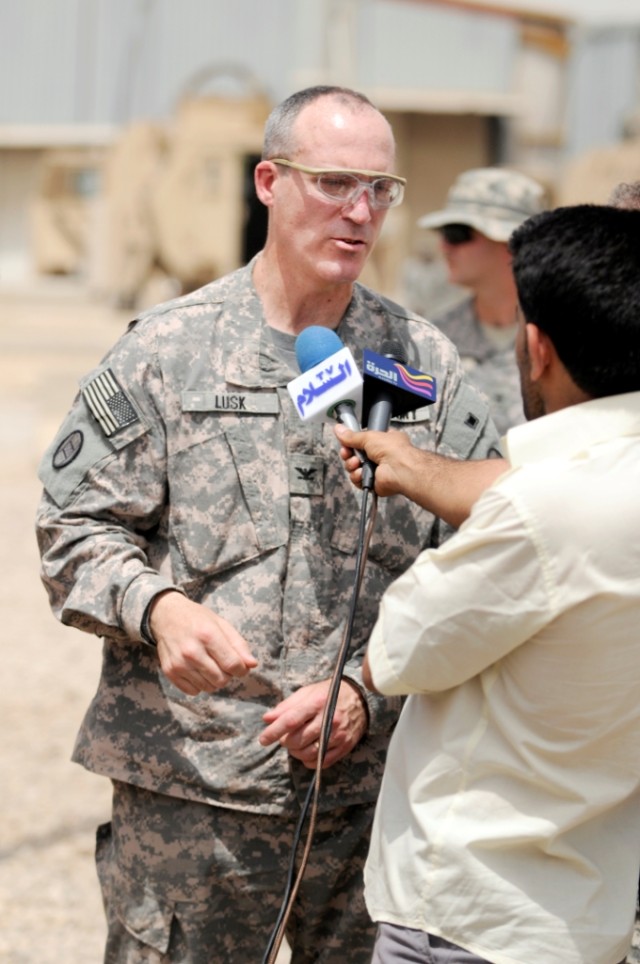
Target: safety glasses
<point x="345" y="186"/>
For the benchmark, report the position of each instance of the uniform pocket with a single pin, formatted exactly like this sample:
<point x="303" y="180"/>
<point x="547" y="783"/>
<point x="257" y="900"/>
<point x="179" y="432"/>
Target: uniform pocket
<point x="139" y="912"/>
<point x="229" y="501"/>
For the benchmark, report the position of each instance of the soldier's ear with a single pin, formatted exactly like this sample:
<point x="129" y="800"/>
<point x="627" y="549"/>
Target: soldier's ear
<point x="264" y="177"/>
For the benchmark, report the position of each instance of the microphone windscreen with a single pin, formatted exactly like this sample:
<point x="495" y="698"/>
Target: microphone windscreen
<point x="314" y="345"/>
<point x="394" y="350"/>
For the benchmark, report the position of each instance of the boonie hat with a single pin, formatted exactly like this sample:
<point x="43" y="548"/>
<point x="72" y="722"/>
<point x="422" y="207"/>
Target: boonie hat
<point x="492" y="200"/>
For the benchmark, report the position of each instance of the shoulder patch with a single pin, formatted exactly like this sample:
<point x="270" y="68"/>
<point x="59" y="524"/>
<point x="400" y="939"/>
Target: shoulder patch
<point x="467" y="416"/>
<point x="108" y="403"/>
<point x="68" y="449"/>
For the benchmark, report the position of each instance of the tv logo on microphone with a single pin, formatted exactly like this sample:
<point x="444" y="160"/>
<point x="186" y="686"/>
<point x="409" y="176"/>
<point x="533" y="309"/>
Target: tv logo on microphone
<point x="331" y="387"/>
<point x="407" y="387"/>
<point x="332" y="382"/>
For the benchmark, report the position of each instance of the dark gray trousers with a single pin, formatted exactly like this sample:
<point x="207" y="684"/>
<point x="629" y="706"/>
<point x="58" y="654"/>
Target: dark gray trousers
<point x="404" y="945"/>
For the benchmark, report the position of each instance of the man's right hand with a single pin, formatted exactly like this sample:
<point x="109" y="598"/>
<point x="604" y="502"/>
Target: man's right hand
<point x="446" y="487"/>
<point x="198" y="650"/>
<point x="392" y="453"/>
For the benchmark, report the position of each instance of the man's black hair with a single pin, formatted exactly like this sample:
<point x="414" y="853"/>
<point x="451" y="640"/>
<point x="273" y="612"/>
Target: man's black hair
<point x="577" y="271"/>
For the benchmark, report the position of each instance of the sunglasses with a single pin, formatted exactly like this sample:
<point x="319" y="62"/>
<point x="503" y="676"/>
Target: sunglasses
<point x="346" y="186"/>
<point x="455" y="234"/>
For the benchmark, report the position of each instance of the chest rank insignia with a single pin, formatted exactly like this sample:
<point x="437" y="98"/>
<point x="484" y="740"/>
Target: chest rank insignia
<point x="306" y="474"/>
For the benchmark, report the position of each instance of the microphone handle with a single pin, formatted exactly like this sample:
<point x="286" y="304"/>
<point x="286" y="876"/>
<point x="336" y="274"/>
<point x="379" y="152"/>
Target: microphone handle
<point x="346" y="414"/>
<point x="380" y="413"/>
<point x="378" y="421"/>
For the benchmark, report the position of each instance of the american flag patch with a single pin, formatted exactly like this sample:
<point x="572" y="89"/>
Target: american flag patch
<point x="108" y="403"/>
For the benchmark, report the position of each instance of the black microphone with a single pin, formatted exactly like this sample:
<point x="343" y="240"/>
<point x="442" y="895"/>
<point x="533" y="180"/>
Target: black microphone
<point x="391" y="389"/>
<point x="380" y="409"/>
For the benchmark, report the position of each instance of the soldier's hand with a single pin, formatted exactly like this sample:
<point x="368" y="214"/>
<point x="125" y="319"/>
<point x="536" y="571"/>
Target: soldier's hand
<point x="198" y="650"/>
<point x="296" y="723"/>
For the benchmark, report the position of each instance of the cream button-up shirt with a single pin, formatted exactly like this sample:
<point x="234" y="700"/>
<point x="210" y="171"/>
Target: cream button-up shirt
<point x="509" y="816"/>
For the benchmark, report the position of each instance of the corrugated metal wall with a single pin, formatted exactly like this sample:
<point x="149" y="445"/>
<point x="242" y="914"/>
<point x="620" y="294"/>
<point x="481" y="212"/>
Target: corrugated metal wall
<point x="604" y="86"/>
<point x="109" y="61"/>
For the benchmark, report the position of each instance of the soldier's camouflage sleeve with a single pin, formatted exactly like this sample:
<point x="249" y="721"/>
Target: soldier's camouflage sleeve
<point x="104" y="478"/>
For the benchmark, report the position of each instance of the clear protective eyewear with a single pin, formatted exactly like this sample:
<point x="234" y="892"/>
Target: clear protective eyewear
<point x="345" y="186"/>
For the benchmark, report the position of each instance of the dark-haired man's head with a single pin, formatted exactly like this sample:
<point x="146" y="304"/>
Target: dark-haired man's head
<point x="577" y="272"/>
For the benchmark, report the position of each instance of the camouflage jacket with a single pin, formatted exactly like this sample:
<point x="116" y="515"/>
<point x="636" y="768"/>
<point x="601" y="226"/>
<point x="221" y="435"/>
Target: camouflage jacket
<point x="490" y="368"/>
<point x="196" y="472"/>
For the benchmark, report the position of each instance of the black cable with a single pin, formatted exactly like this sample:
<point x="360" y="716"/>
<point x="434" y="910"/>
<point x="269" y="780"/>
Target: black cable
<point x="313" y="793"/>
<point x="278" y="930"/>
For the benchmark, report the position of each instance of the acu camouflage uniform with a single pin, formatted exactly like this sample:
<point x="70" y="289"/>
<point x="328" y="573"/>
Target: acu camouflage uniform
<point x="490" y="366"/>
<point x="184" y="464"/>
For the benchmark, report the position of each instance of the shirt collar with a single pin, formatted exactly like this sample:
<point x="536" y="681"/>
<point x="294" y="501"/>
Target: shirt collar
<point x="571" y="430"/>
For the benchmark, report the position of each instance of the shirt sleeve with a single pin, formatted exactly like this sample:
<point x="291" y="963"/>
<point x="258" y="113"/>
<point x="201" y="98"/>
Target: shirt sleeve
<point x="462" y="607"/>
<point x="104" y="494"/>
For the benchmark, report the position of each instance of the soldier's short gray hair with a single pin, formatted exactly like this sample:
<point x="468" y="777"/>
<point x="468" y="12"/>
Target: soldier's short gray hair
<point x="278" y="132"/>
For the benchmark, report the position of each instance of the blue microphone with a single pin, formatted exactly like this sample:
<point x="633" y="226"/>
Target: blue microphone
<point x="314" y="345"/>
<point x="330" y="387"/>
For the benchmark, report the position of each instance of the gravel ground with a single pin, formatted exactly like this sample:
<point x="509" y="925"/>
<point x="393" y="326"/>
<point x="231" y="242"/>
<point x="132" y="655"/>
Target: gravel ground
<point x="52" y="911"/>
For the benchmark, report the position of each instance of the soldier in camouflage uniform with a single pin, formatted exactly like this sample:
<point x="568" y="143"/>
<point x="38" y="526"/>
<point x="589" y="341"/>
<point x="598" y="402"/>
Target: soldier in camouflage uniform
<point x="209" y="536"/>
<point x="483" y="207"/>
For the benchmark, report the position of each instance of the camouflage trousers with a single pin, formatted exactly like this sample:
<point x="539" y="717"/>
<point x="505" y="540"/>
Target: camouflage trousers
<point x="189" y="883"/>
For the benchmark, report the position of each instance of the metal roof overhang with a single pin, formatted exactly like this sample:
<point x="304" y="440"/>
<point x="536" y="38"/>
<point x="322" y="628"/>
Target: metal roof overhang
<point x="425" y="101"/>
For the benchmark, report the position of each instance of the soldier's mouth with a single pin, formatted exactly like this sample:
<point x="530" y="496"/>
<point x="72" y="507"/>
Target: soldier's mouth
<point x="351" y="242"/>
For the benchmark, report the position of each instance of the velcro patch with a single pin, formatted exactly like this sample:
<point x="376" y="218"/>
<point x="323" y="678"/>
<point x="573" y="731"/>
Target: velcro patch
<point x="68" y="449"/>
<point x="108" y="403"/>
<point x="250" y="403"/>
<point x="422" y="414"/>
<point x="306" y="474"/>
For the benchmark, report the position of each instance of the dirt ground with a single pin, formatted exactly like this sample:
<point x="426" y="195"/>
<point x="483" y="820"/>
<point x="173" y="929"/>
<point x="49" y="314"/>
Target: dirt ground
<point x="49" y="807"/>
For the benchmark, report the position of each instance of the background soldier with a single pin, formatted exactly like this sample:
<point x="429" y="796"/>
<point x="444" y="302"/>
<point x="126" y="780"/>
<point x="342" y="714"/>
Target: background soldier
<point x="482" y="209"/>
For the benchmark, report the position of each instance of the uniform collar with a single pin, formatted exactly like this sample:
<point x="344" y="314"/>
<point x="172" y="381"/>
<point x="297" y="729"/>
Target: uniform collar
<point x="574" y="429"/>
<point x="251" y="358"/>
